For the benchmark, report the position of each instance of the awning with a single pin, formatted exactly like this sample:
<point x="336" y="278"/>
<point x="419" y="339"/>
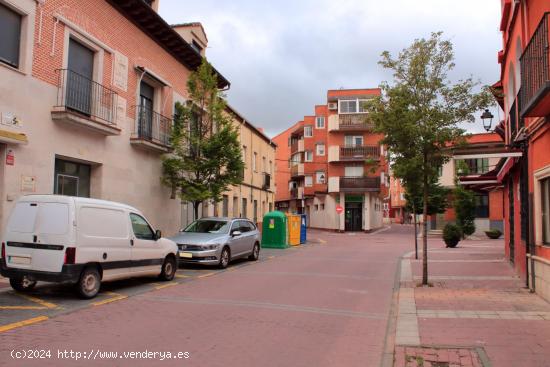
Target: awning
<point x="12" y="138"/>
<point x="506" y="167"/>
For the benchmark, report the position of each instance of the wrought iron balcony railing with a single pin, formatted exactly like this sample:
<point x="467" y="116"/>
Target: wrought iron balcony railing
<point x="77" y="93"/>
<point x="359" y="184"/>
<point x="359" y="152"/>
<point x="152" y="126"/>
<point x="535" y="73"/>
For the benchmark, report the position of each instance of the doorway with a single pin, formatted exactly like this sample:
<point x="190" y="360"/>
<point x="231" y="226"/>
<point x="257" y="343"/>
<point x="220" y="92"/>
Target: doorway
<point x="354" y="217"/>
<point x="79" y="78"/>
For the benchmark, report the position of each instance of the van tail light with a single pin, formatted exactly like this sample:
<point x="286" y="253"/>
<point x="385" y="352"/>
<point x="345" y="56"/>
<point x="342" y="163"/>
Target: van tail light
<point x="3" y="257"/>
<point x="70" y="255"/>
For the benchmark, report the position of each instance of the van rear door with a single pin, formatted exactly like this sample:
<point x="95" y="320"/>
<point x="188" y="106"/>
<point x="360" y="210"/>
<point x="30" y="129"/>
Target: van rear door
<point x="37" y="234"/>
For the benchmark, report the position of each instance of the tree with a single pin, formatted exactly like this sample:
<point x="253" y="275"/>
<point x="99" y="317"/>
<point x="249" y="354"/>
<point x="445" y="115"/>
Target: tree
<point x="420" y="111"/>
<point x="206" y="155"/>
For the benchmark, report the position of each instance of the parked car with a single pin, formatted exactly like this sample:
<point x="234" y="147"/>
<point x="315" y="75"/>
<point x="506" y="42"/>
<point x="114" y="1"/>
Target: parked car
<point x="217" y="241"/>
<point x="81" y="241"/>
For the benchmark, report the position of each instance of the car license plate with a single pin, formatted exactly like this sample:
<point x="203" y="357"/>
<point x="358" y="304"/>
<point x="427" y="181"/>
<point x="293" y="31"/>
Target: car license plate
<point x="187" y="255"/>
<point x="19" y="260"/>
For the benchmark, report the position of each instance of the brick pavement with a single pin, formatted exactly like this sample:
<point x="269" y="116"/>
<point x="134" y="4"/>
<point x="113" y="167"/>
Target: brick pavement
<point x="476" y="309"/>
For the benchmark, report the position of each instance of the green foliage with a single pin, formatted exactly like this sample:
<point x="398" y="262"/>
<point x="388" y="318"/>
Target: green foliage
<point x="451" y="235"/>
<point x="206" y="155"/>
<point x="437" y="198"/>
<point x="419" y="114"/>
<point x="493" y="233"/>
<point x="465" y="210"/>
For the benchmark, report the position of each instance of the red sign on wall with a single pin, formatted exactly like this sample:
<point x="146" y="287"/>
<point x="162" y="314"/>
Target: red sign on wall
<point x="10" y="158"/>
<point x="339" y="209"/>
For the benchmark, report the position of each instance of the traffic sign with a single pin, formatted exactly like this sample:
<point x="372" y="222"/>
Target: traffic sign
<point x="339" y="209"/>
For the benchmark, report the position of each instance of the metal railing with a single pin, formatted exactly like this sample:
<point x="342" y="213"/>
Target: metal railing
<point x="535" y="72"/>
<point x="356" y="121"/>
<point x="80" y="94"/>
<point x="359" y="183"/>
<point x="152" y="126"/>
<point x="359" y="152"/>
<point x="513" y="120"/>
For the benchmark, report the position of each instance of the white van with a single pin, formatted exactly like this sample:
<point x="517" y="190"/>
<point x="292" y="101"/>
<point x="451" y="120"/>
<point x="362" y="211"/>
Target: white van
<point x="82" y="241"/>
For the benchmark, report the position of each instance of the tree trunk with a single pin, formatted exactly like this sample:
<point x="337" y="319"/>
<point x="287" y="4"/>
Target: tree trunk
<point x="415" y="234"/>
<point x="425" y="224"/>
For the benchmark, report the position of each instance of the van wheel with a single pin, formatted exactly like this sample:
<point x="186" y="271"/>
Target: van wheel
<point x="23" y="284"/>
<point x="169" y="268"/>
<point x="255" y="255"/>
<point x="89" y="283"/>
<point x="224" y="258"/>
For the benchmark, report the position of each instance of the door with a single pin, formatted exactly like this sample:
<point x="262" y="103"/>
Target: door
<point x="238" y="243"/>
<point x="145" y="252"/>
<point x="79" y="78"/>
<point x="146" y="98"/>
<point x="353" y="217"/>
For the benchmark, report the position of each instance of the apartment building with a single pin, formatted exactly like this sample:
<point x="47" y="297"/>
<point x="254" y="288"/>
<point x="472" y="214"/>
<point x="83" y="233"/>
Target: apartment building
<point x="255" y="196"/>
<point x="523" y="92"/>
<point x="474" y="164"/>
<point x="87" y="91"/>
<point x="333" y="159"/>
<point x="398" y="203"/>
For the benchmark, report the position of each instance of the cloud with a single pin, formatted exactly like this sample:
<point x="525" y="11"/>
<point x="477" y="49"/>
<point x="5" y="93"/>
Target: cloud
<point x="281" y="57"/>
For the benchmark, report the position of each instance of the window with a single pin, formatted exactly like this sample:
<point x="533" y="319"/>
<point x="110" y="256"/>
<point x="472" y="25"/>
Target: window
<point x="225" y="206"/>
<point x="235" y="206"/>
<point x="244" y="154"/>
<point x="244" y="213"/>
<point x="80" y="65"/>
<point x="316" y="207"/>
<point x="320" y="148"/>
<point x="322" y="206"/>
<point x="264" y="165"/>
<point x="308" y="156"/>
<point x="254" y="162"/>
<point x="255" y="211"/>
<point x="320" y="177"/>
<point x="270" y="167"/>
<point x="308" y="181"/>
<point x="353" y="140"/>
<point x="545" y="206"/>
<point x="320" y="122"/>
<point x="351" y="106"/>
<point x="354" y="171"/>
<point x="477" y="166"/>
<point x="72" y="179"/>
<point x="10" y="36"/>
<point x="195" y="45"/>
<point x="141" y="228"/>
<point x="482" y="205"/>
<point x="296" y="159"/>
<point x="308" y="132"/>
<point x="270" y="207"/>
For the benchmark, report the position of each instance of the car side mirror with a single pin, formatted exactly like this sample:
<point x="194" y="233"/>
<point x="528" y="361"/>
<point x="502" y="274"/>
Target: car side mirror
<point x="158" y="235"/>
<point x="236" y="233"/>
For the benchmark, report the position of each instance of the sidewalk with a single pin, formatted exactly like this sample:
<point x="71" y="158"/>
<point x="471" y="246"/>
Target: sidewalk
<point x="477" y="313"/>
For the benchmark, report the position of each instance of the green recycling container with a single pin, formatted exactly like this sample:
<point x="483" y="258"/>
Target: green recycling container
<point x="274" y="230"/>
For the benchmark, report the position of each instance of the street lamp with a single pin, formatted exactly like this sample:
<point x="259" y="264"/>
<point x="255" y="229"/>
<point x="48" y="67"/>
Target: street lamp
<point x="487" y="118"/>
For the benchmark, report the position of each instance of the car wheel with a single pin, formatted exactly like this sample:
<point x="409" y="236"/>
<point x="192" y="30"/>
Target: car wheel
<point x="168" y="269"/>
<point x="255" y="255"/>
<point x="23" y="284"/>
<point x="224" y="258"/>
<point x="89" y="283"/>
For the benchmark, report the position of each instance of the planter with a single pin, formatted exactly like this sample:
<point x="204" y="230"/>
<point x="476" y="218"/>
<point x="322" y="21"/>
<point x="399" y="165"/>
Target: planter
<point x="493" y="234"/>
<point x="451" y="235"/>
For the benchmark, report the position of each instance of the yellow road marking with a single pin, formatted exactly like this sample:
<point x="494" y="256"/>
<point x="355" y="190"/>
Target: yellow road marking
<point x="23" y="308"/>
<point x="37" y="300"/>
<point x="206" y="275"/>
<point x="117" y="297"/>
<point x="14" y="325"/>
<point x="323" y="241"/>
<point x="182" y="276"/>
<point x="166" y="285"/>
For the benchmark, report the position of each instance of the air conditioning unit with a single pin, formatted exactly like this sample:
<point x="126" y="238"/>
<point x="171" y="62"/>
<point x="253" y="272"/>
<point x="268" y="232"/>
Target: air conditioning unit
<point x="333" y="106"/>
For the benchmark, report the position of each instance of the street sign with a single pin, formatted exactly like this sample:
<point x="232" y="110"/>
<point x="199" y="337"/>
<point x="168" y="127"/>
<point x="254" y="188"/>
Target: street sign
<point x="339" y="209"/>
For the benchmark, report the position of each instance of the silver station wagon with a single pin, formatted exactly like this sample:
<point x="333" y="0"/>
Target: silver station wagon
<point x="217" y="241"/>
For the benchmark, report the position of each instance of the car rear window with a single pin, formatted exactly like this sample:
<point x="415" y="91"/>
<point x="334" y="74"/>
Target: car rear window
<point x="23" y="218"/>
<point x="53" y="218"/>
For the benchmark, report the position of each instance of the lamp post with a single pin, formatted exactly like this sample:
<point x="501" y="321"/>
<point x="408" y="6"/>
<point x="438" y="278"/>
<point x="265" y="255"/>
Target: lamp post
<point x="487" y="118"/>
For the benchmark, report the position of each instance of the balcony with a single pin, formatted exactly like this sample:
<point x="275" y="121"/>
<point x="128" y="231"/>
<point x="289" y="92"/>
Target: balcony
<point x="85" y="103"/>
<point x="353" y="154"/>
<point x="535" y="73"/>
<point x="297" y="170"/>
<point x="359" y="184"/>
<point x="152" y="130"/>
<point x="297" y="193"/>
<point x="297" y="146"/>
<point x="350" y="122"/>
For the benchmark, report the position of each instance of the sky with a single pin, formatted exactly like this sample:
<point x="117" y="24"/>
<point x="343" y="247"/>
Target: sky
<point x="282" y="56"/>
